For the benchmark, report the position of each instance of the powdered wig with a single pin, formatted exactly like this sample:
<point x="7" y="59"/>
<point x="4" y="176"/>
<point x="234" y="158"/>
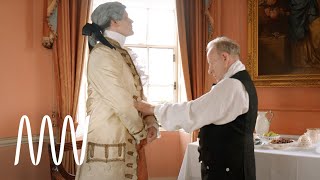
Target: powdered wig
<point x="224" y="44"/>
<point x="103" y="15"/>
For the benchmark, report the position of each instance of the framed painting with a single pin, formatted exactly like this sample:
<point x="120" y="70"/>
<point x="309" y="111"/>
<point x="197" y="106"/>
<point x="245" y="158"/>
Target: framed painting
<point x="284" y="43"/>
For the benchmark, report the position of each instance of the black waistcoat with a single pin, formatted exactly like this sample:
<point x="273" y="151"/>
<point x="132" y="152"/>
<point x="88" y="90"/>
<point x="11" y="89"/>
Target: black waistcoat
<point x="227" y="150"/>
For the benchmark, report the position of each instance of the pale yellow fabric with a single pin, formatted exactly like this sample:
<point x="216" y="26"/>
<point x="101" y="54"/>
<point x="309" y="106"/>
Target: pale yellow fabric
<point x="114" y="122"/>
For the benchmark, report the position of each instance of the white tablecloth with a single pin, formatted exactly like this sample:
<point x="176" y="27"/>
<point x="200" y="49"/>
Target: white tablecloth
<point x="289" y="164"/>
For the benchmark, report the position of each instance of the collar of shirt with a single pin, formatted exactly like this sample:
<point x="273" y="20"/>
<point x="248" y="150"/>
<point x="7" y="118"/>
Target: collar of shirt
<point x="234" y="68"/>
<point x="121" y="39"/>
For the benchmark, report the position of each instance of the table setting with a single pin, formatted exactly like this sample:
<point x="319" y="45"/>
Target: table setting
<point x="265" y="139"/>
<point x="277" y="156"/>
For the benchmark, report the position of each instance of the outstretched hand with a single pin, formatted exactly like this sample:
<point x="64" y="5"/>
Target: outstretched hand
<point x="144" y="107"/>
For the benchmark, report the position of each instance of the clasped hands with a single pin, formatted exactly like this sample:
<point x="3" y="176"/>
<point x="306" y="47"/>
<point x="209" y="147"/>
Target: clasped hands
<point x="147" y="110"/>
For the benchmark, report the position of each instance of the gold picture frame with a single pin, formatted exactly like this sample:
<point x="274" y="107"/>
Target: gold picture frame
<point x="276" y="65"/>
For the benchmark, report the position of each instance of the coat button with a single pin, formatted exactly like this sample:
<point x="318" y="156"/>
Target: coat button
<point x="135" y="97"/>
<point x="208" y="167"/>
<point x="134" y="177"/>
<point x="227" y="169"/>
<point x="135" y="154"/>
<point x="134" y="166"/>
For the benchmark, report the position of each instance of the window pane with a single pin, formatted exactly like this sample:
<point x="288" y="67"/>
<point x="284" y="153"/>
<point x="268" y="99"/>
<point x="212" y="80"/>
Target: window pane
<point x="161" y="27"/>
<point x="160" y="94"/>
<point x="134" y="3"/>
<point x="127" y="3"/>
<point x="161" y="66"/>
<point x="139" y="17"/>
<point x="162" y="4"/>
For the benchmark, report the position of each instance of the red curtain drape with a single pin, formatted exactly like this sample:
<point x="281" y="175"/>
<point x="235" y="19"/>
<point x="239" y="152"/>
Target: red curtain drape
<point x="69" y="54"/>
<point x="69" y="48"/>
<point x="192" y="28"/>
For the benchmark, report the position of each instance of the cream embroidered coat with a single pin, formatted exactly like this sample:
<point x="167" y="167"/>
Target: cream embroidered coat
<point x="115" y="126"/>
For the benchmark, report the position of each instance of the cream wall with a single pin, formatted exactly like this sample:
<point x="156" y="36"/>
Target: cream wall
<point x="26" y="83"/>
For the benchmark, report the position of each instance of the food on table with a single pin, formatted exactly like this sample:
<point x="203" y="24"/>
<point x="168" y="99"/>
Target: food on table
<point x="281" y="141"/>
<point x="270" y="134"/>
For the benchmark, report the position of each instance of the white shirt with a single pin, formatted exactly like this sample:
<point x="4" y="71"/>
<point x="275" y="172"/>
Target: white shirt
<point x="222" y="104"/>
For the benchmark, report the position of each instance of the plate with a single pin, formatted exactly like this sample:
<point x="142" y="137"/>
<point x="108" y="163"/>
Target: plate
<point x="270" y="138"/>
<point x="259" y="145"/>
<point x="283" y="145"/>
<point x="299" y="147"/>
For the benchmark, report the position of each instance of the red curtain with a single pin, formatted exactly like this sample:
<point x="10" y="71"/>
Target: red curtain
<point x="193" y="37"/>
<point x="69" y="49"/>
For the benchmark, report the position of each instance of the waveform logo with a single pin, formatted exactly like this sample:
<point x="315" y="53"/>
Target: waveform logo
<point x="47" y="119"/>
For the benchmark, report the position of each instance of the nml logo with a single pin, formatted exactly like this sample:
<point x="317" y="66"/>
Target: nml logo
<point x="47" y="119"/>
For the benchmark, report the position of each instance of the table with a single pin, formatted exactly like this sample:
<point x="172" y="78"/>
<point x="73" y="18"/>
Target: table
<point x="289" y="164"/>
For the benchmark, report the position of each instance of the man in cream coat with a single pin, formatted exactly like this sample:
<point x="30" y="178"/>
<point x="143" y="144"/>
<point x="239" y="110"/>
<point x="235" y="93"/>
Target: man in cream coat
<point x="117" y="131"/>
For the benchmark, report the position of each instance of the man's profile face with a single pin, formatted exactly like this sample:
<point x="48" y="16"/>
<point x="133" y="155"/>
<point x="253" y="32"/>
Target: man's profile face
<point x="217" y="63"/>
<point x="124" y="26"/>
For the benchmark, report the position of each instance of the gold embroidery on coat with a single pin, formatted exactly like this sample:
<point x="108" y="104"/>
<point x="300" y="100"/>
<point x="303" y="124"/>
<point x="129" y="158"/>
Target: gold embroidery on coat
<point x="129" y="176"/>
<point x="106" y="151"/>
<point x="124" y="53"/>
<point x="120" y="151"/>
<point x="130" y="165"/>
<point x="91" y="148"/>
<point x="140" y="130"/>
<point x="130" y="153"/>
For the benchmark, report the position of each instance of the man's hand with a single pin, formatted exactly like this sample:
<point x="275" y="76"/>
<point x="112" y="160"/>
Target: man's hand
<point x="152" y="134"/>
<point x="144" y="107"/>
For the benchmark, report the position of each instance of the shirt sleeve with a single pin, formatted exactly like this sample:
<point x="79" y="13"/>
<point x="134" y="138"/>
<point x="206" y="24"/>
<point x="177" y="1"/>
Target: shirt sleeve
<point x="104" y="71"/>
<point x="222" y="104"/>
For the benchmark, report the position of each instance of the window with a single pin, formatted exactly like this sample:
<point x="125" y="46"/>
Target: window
<point x="155" y="42"/>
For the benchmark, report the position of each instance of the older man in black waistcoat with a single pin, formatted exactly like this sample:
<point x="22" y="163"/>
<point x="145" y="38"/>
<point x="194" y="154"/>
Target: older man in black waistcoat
<point x="226" y="116"/>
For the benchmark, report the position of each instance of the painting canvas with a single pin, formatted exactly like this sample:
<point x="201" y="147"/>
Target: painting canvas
<point x="284" y="42"/>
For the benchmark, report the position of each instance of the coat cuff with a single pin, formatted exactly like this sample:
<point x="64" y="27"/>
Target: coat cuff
<point x="140" y="135"/>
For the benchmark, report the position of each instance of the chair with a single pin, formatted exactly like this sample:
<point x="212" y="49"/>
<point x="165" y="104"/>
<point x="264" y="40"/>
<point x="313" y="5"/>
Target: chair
<point x="58" y="172"/>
